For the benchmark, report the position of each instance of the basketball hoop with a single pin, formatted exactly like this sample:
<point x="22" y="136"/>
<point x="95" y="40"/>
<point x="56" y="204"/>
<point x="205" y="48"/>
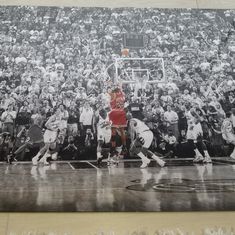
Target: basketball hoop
<point x="123" y="66"/>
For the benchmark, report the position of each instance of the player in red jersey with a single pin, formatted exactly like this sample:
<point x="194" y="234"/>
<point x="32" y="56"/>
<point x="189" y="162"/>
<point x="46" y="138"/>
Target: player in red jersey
<point x="117" y="96"/>
<point x="117" y="116"/>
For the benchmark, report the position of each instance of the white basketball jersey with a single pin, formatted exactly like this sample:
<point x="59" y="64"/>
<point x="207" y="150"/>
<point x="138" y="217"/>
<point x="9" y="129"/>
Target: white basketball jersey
<point x="140" y="126"/>
<point x="102" y="122"/>
<point x="53" y="123"/>
<point x="104" y="129"/>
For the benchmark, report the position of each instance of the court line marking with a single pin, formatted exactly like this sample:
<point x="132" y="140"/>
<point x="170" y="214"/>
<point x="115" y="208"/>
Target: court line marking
<point x="123" y="160"/>
<point x="71" y="165"/>
<point x="93" y="165"/>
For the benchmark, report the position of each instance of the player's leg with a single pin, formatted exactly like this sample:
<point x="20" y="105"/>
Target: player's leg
<point x="22" y="148"/>
<point x="231" y="140"/>
<point x="115" y="135"/>
<point x="198" y="156"/>
<point x="123" y="139"/>
<point x="232" y="155"/>
<point x="147" y="138"/>
<point x="52" y="152"/>
<point x="119" y="150"/>
<point x="13" y="154"/>
<point x="136" y="149"/>
<point x="98" y="151"/>
<point x="202" y="146"/>
<point x="150" y="154"/>
<point x="207" y="158"/>
<point x="100" y="143"/>
<point x="54" y="156"/>
<point x="40" y="153"/>
<point x="50" y="138"/>
<point x="45" y="157"/>
<point x="113" y="140"/>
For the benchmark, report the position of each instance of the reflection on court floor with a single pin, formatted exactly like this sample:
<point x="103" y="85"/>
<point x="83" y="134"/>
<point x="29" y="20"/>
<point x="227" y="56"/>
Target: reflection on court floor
<point x="83" y="186"/>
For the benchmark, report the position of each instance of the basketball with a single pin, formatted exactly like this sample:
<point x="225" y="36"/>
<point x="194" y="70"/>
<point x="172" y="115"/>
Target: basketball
<point x="125" y="52"/>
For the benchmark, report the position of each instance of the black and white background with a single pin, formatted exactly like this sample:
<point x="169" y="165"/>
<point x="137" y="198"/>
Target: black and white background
<point x="71" y="58"/>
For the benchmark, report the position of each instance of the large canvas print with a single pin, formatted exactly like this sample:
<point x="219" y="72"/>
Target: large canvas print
<point x="120" y="109"/>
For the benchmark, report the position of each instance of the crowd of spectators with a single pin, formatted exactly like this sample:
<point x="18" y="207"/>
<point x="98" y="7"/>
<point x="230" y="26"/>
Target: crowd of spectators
<point x="53" y="57"/>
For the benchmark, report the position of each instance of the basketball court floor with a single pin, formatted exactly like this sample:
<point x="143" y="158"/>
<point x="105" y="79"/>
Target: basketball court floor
<point x="82" y="186"/>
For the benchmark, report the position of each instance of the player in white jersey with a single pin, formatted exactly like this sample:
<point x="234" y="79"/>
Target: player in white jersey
<point x="50" y="137"/>
<point x="141" y="139"/>
<point x="195" y="137"/>
<point x="104" y="135"/>
<point x="228" y="133"/>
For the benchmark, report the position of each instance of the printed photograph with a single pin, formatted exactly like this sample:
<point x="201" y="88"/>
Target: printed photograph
<point x="116" y="109"/>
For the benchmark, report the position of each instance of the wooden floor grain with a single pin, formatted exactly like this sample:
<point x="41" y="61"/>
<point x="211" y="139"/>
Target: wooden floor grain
<point x="86" y="223"/>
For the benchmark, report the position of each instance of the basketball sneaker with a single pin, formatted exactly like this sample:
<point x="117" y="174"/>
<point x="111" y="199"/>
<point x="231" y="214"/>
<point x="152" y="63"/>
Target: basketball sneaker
<point x="145" y="163"/>
<point x="9" y="158"/>
<point x="232" y="155"/>
<point x="159" y="161"/>
<point x="45" y="159"/>
<point x="112" y="162"/>
<point x="35" y="160"/>
<point x="207" y="159"/>
<point x="198" y="158"/>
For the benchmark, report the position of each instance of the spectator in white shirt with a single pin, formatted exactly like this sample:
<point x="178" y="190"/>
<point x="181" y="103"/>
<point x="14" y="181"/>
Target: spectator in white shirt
<point x="195" y="99"/>
<point x="186" y="96"/>
<point x="171" y="117"/>
<point x="166" y="99"/>
<point x="86" y="117"/>
<point x="8" y="117"/>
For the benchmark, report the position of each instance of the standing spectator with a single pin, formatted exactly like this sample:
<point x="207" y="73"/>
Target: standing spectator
<point x="73" y="121"/>
<point x="171" y="117"/>
<point x="63" y="123"/>
<point x="86" y="118"/>
<point x="8" y="118"/>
